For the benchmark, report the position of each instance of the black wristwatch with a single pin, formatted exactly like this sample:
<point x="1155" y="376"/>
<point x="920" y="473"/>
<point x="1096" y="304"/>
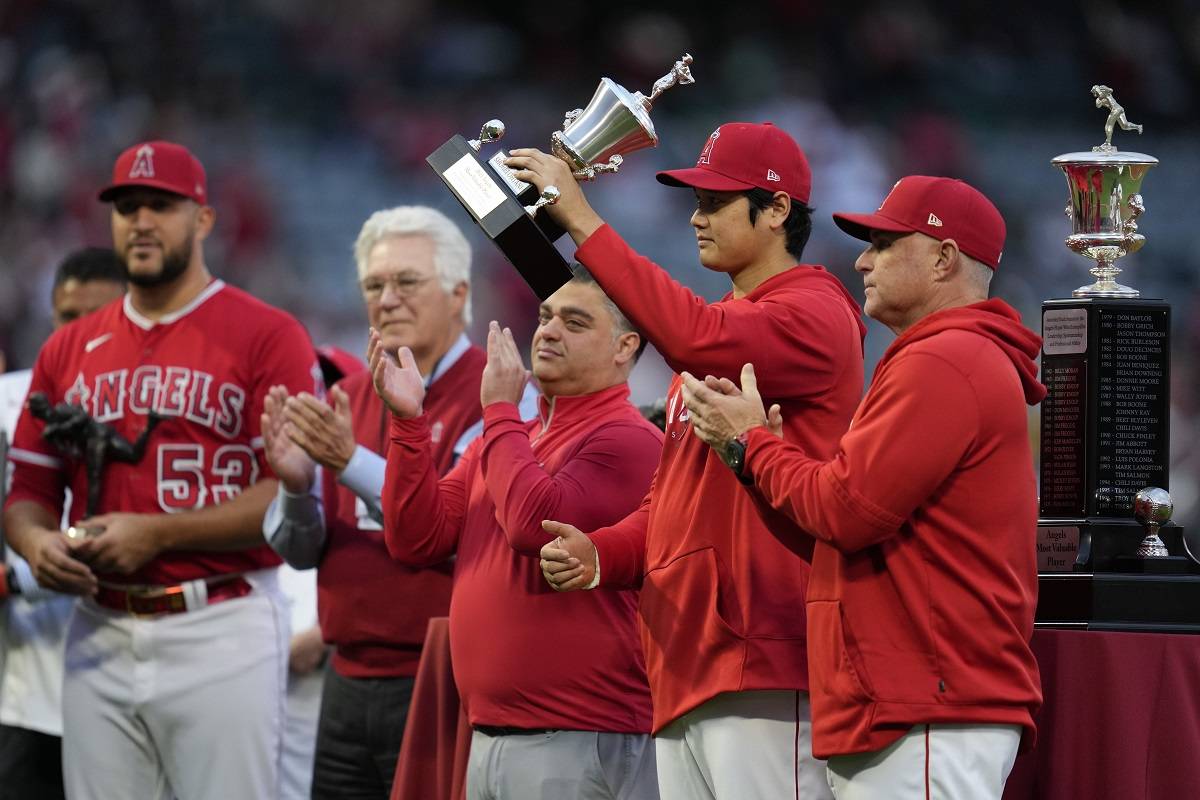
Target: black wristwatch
<point x="733" y="454"/>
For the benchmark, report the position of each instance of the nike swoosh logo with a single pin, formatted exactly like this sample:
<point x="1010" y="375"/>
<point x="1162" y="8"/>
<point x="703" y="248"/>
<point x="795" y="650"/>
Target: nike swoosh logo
<point x="92" y="344"/>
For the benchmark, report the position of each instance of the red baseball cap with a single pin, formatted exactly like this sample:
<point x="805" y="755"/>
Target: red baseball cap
<point x="744" y="155"/>
<point x="944" y="208"/>
<point x="159" y="165"/>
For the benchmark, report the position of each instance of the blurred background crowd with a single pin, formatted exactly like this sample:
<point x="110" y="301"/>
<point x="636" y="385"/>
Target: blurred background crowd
<point x="309" y="115"/>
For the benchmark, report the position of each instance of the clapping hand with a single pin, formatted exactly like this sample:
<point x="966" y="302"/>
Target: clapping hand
<point x="720" y="411"/>
<point x="288" y="461"/>
<point x="396" y="377"/>
<point x="325" y="432"/>
<point x="505" y="376"/>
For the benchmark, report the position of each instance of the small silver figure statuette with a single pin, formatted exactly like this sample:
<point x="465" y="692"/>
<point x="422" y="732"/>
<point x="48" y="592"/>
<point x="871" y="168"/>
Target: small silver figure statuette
<point x="680" y="74"/>
<point x="1116" y="116"/>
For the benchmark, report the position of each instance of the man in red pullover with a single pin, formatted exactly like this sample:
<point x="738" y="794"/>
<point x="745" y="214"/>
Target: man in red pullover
<point x="924" y="578"/>
<point x="722" y="604"/>
<point x="414" y="270"/>
<point x="551" y="718"/>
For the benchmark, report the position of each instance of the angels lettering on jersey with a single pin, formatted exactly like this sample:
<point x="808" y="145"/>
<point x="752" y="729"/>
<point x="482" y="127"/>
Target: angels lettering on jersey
<point x="189" y="475"/>
<point x="171" y="391"/>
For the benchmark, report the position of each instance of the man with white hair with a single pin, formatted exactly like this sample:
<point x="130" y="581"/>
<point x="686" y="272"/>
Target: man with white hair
<point x="414" y="273"/>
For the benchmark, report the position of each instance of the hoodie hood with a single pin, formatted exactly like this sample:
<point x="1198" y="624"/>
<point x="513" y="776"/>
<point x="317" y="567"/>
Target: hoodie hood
<point x="996" y="320"/>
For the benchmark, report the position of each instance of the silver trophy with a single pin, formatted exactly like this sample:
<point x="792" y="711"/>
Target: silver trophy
<point x="1104" y="186"/>
<point x="594" y="140"/>
<point x="1152" y="507"/>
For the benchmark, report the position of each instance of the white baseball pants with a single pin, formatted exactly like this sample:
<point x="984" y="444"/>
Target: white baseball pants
<point x="931" y="762"/>
<point x="184" y="705"/>
<point x="742" y="746"/>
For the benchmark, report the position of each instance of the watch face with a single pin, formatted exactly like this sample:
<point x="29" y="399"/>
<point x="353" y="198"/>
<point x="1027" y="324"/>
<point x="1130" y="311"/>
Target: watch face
<point x="733" y="454"/>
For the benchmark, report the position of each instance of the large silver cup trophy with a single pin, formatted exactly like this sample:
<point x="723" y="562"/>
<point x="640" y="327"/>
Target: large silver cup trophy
<point x="1105" y="187"/>
<point x="594" y="140"/>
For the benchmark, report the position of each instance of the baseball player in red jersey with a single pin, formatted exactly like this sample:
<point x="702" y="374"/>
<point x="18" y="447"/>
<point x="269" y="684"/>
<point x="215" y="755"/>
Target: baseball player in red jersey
<point x="722" y="601"/>
<point x="176" y="654"/>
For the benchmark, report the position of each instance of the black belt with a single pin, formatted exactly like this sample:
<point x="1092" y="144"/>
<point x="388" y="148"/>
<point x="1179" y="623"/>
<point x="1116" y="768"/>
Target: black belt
<point x="504" y="730"/>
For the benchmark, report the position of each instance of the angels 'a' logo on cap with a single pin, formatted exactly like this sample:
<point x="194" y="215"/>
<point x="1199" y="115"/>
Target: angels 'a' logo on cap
<point x="143" y="163"/>
<point x="889" y="194"/>
<point x="772" y="175"/>
<point x="933" y="220"/>
<point x="706" y="153"/>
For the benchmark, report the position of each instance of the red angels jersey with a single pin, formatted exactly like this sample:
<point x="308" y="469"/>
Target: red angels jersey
<point x="206" y="369"/>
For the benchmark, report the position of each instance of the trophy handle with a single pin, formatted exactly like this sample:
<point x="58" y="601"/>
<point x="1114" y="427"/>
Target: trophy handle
<point x="590" y="172"/>
<point x="492" y="131"/>
<point x="570" y="117"/>
<point x="548" y="197"/>
<point x="1136" y="208"/>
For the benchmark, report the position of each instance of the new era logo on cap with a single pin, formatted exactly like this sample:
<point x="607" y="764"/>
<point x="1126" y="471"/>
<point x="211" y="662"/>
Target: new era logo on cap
<point x="159" y="165"/>
<point x="772" y="175"/>
<point x="951" y="208"/>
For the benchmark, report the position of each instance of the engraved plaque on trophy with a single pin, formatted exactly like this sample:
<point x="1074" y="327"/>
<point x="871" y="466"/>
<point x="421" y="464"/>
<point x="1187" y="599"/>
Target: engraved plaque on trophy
<point x="1105" y="364"/>
<point x="594" y="140"/>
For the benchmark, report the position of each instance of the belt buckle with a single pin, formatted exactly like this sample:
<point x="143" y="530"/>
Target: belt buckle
<point x="172" y="597"/>
<point x="176" y="601"/>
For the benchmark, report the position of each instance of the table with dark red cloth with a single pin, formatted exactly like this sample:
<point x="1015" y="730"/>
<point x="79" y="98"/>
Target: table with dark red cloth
<point x="437" y="736"/>
<point x="1121" y="718"/>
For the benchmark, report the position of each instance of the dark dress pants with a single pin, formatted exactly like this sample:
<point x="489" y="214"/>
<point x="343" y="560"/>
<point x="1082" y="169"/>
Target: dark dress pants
<point x="358" y="736"/>
<point x="30" y="765"/>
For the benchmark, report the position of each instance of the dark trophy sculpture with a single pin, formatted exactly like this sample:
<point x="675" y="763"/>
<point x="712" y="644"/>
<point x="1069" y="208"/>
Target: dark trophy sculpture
<point x="80" y="437"/>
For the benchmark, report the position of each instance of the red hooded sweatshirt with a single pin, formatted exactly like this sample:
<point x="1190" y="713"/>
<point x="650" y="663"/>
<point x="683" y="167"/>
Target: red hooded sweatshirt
<point x="723" y="579"/>
<point x="924" y="577"/>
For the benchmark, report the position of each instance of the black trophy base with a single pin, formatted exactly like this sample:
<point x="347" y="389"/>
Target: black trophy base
<point x="527" y="242"/>
<point x="1120" y="602"/>
<point x="1108" y="586"/>
<point x="1107" y="545"/>
<point x="1104" y="422"/>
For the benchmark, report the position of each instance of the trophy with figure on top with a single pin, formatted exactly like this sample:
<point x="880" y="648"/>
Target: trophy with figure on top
<point x="1104" y="525"/>
<point x="594" y="141"/>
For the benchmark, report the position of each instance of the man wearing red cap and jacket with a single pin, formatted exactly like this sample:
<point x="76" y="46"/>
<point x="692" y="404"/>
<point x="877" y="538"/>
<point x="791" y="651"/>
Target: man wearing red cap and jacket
<point x="722" y="602"/>
<point x="176" y="653"/>
<point x="924" y="577"/>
